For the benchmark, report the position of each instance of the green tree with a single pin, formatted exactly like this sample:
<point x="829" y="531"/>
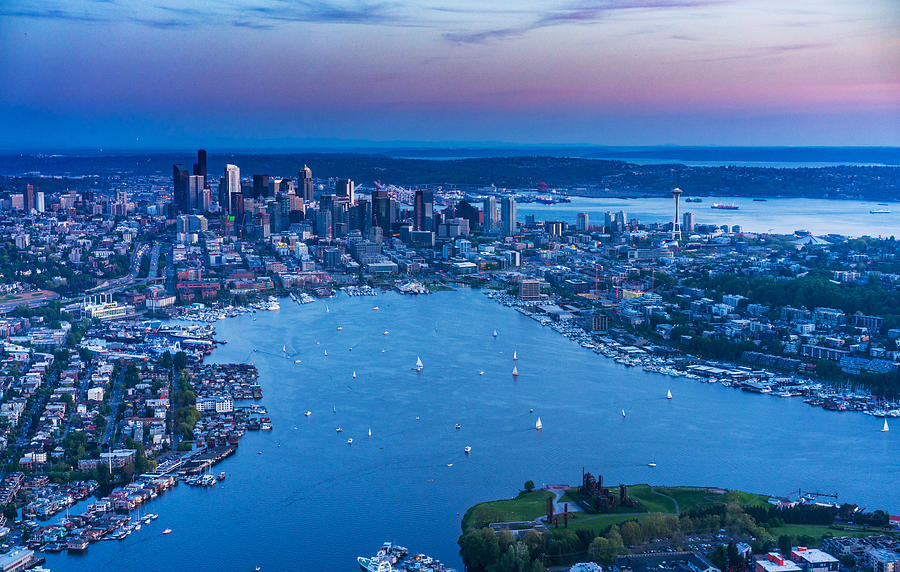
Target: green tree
<point x="529" y="485"/>
<point x="479" y="549"/>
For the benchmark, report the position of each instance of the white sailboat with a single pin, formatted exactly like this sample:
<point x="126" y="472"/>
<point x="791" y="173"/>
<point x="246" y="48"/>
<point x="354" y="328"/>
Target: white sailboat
<point x="885" y="429"/>
<point x="538" y="425"/>
<point x="495" y="333"/>
<point x="419" y="365"/>
<point x="308" y="413"/>
<point x="354" y="375"/>
<point x="669" y="394"/>
<point x="326" y="353"/>
<point x="284" y="348"/>
<point x="515" y="371"/>
<point x="370" y="431"/>
<point x="468" y="449"/>
<point x="515" y="356"/>
<point x="326" y="309"/>
<point x="623" y="413"/>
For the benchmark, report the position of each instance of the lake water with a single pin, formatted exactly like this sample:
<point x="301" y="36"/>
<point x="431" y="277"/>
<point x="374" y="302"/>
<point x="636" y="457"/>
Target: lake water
<point x="301" y="498"/>
<point x="781" y="216"/>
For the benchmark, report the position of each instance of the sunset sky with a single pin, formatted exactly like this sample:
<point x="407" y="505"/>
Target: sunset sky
<point x="289" y="73"/>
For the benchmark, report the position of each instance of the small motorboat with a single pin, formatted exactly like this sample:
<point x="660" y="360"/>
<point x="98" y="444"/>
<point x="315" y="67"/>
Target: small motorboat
<point x="651" y="464"/>
<point x="468" y="449"/>
<point x="350" y="441"/>
<point x="308" y="413"/>
<point x="169" y="530"/>
<point x="340" y="429"/>
<point x="458" y="426"/>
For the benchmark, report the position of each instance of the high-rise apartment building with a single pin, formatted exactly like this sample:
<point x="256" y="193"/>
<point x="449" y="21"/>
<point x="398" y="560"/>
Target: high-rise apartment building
<point x="491" y="215"/>
<point x="508" y="216"/>
<point x="581" y="222"/>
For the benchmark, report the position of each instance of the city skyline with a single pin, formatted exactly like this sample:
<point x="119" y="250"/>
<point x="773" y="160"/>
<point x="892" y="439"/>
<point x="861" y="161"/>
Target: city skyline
<point x="273" y="74"/>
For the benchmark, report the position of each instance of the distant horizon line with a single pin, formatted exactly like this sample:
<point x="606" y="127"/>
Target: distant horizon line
<point x="370" y="147"/>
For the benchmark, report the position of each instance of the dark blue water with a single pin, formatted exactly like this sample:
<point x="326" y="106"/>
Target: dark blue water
<point x="310" y="501"/>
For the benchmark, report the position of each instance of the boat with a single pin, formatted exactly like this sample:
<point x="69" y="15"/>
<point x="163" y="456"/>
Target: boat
<point x="167" y="531"/>
<point x="308" y="413"/>
<point x="467" y="449"/>
<point x="386" y="332"/>
<point x="538" y="425"/>
<point x="326" y="353"/>
<point x="326" y="309"/>
<point x="221" y="478"/>
<point x="350" y="441"/>
<point x="339" y="328"/>
<point x="515" y="371"/>
<point x="623" y="413"/>
<point x="495" y="333"/>
<point x="374" y="564"/>
<point x="693" y="200"/>
<point x="340" y="429"/>
<point x="880" y="211"/>
<point x="284" y="348"/>
<point x="481" y="372"/>
<point x="723" y="206"/>
<point x="296" y="361"/>
<point x="651" y="464"/>
<point x="885" y="429"/>
<point x="515" y="356"/>
<point x="419" y="365"/>
<point x="354" y="375"/>
<point x="449" y="464"/>
<point x="376" y="308"/>
<point x="370" y="431"/>
<point x="531" y="410"/>
<point x="458" y="426"/>
<point x="669" y="394"/>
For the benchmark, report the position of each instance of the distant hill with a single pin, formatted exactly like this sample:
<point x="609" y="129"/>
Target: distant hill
<point x="580" y="176"/>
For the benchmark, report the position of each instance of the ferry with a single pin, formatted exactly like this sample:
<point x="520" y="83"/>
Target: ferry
<point x="880" y="211"/>
<point x="693" y="200"/>
<point x="723" y="206"/>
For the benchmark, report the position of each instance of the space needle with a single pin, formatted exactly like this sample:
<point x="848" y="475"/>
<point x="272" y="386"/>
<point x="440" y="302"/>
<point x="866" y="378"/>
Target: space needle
<point x="676" y="224"/>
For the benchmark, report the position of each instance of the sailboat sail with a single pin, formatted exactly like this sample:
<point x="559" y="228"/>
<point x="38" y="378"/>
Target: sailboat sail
<point x="669" y="394"/>
<point x="538" y="425"/>
<point x="515" y="371"/>
<point x="885" y="428"/>
<point x="515" y="356"/>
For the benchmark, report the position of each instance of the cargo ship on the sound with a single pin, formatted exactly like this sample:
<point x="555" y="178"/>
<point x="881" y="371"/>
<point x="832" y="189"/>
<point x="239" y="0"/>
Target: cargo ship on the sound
<point x="724" y="206"/>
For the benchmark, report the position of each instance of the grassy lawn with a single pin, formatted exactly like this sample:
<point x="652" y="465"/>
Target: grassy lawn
<point x="690" y="497"/>
<point x="652" y="501"/>
<point x="526" y="506"/>
<point x="599" y="523"/>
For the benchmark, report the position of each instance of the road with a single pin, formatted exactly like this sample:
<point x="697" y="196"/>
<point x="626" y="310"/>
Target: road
<point x="114" y="400"/>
